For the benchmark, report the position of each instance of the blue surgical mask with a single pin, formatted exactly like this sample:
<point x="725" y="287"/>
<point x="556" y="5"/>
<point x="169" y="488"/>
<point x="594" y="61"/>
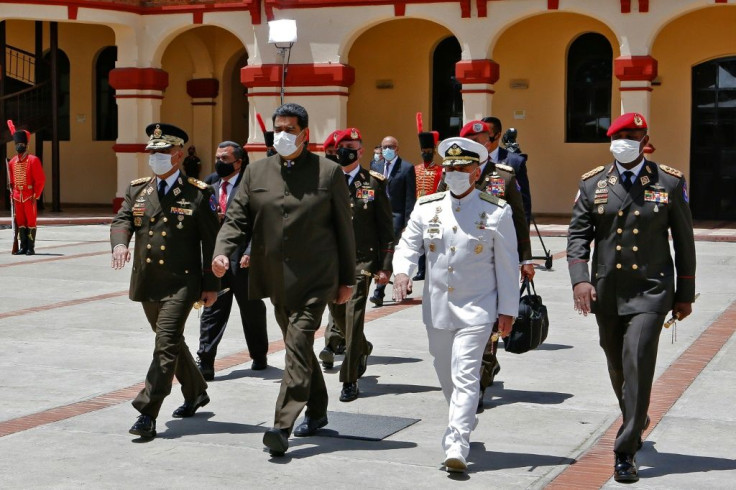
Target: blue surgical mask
<point x="388" y="154"/>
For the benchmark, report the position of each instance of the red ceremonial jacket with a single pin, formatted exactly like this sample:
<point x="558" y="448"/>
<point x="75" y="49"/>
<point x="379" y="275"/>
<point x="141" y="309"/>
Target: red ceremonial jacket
<point x="428" y="178"/>
<point x="26" y="177"/>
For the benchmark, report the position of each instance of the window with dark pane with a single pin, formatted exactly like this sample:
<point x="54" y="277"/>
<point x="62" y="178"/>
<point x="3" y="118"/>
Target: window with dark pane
<point x="106" y="109"/>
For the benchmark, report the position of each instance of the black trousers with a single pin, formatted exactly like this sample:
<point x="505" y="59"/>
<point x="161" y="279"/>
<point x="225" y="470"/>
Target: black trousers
<point x="252" y="314"/>
<point x="630" y="343"/>
<point x="171" y="357"/>
<point x="347" y="321"/>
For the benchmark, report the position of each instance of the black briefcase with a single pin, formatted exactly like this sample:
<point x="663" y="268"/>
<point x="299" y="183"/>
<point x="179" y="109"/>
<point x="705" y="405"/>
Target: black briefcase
<point x="532" y="324"/>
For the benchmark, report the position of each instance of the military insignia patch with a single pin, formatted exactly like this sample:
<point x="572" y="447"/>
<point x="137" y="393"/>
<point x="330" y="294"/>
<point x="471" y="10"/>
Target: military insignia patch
<point x="638" y="120"/>
<point x="377" y="175"/>
<point x="602" y="183"/>
<point x="612" y="180"/>
<point x="137" y="221"/>
<point x="497" y="186"/>
<point x="478" y="248"/>
<point x="506" y="168"/>
<point x="684" y="192"/>
<point x="140" y="181"/>
<point x="432" y="197"/>
<point x="176" y="191"/>
<point x="656" y="197"/>
<point x="593" y="172"/>
<point x="644" y="180"/>
<point x="432" y="246"/>
<point x="601" y="209"/>
<point x="197" y="183"/>
<point x="213" y="203"/>
<point x="671" y="171"/>
<point x="157" y="132"/>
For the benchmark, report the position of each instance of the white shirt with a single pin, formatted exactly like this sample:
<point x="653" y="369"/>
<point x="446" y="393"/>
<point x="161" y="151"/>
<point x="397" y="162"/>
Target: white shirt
<point x="352" y="174"/>
<point x="169" y="181"/>
<point x="472" y="263"/>
<point x="634" y="170"/>
<point x="389" y="165"/>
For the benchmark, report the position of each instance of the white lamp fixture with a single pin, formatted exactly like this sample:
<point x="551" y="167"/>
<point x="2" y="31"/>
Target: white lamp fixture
<point x="282" y="34"/>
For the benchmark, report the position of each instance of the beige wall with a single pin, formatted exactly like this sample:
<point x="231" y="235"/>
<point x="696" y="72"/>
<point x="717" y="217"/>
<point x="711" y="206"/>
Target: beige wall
<point x="535" y="50"/>
<point x="677" y="53"/>
<point x="400" y="51"/>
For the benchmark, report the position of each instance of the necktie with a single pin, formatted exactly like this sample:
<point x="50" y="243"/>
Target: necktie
<point x="627" y="180"/>
<point x="223" y="196"/>
<point x="161" y="189"/>
<point x="347" y="179"/>
<point x="386" y="170"/>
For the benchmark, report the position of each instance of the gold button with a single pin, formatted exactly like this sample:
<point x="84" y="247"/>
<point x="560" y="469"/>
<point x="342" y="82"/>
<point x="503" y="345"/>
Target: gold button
<point x="150" y="233"/>
<point x="452" y="248"/>
<point x="619" y="231"/>
<point x="148" y="246"/>
<point x="163" y="247"/>
<point x="636" y="231"/>
<point x="450" y="289"/>
<point x="186" y="271"/>
<point x="163" y="233"/>
<point x="635" y="248"/>
<point x="153" y="220"/>
<point x="161" y="261"/>
<point x="454" y="228"/>
<point x="634" y="266"/>
<point x="618" y="266"/>
<point x="148" y="260"/>
<point x="620" y="213"/>
<point x="636" y="213"/>
<point x="618" y="247"/>
<point x="449" y="268"/>
<point x="166" y="220"/>
<point x="661" y="274"/>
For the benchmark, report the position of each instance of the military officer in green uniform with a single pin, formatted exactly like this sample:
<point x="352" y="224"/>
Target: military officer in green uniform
<point x="295" y="209"/>
<point x="174" y="220"/>
<point x="628" y="208"/>
<point x="499" y="180"/>
<point x="374" y="237"/>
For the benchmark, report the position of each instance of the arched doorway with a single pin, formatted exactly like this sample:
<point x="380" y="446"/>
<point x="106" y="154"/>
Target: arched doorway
<point x="447" y="101"/>
<point x="713" y="140"/>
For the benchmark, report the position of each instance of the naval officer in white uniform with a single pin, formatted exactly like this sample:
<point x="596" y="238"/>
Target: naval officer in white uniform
<point x="471" y="280"/>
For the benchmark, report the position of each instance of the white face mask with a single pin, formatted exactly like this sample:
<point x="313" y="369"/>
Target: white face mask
<point x="625" y="151"/>
<point x="285" y="143"/>
<point x="458" y="182"/>
<point x="160" y="163"/>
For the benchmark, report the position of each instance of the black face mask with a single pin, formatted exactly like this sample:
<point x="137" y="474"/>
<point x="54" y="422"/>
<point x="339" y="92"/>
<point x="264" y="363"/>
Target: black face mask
<point x="427" y="156"/>
<point x="270" y="152"/>
<point x="224" y="169"/>
<point x="346" y="156"/>
<point x="20" y="148"/>
<point x="332" y="157"/>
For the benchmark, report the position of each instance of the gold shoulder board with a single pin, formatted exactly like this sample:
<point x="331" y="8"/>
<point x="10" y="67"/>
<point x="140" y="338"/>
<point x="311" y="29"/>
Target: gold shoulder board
<point x="671" y="171"/>
<point x="140" y="181"/>
<point x="593" y="172"/>
<point x="493" y="199"/>
<point x="197" y="183"/>
<point x="507" y="168"/>
<point x="432" y="197"/>
<point x="377" y="175"/>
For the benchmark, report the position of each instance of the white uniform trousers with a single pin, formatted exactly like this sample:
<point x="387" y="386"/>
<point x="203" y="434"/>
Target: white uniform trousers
<point x="457" y="359"/>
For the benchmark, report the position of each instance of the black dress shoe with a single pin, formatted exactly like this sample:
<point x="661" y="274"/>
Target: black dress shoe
<point x="207" y="370"/>
<point x="310" y="426"/>
<point x="624" y="471"/>
<point x="481" y="407"/>
<point x="189" y="408"/>
<point x="364" y="360"/>
<point x="349" y="392"/>
<point x="378" y="302"/>
<point x="340" y="350"/>
<point x="257" y="365"/>
<point x="327" y="357"/>
<point x="277" y="441"/>
<point x="496" y="370"/>
<point x="145" y="426"/>
<point x="418" y="277"/>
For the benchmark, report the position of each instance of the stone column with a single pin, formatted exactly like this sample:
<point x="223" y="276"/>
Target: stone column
<point x="203" y="92"/>
<point x="636" y="74"/>
<point x="477" y="78"/>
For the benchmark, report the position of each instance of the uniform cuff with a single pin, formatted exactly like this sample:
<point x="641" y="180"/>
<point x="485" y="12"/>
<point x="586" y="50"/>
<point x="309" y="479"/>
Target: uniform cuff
<point x="579" y="272"/>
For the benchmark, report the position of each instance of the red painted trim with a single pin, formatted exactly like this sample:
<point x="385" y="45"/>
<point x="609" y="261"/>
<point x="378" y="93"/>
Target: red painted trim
<point x="296" y="94"/>
<point x="399" y="5"/>
<point x="478" y="91"/>
<point x="477" y="71"/>
<point x="643" y="6"/>
<point x="203" y="88"/>
<point x="197" y="17"/>
<point x="721" y="1"/>
<point x="553" y="4"/>
<point x="138" y="79"/>
<point x="71" y="12"/>
<point x="302" y="75"/>
<point x="399" y="9"/>
<point x="482" y="6"/>
<point x="635" y="68"/>
<point x="635" y="89"/>
<point x="139" y="96"/>
<point x="129" y="147"/>
<point x="625" y="6"/>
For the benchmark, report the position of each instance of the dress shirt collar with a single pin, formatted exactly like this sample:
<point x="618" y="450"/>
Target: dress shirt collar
<point x="169" y="181"/>
<point x="634" y="170"/>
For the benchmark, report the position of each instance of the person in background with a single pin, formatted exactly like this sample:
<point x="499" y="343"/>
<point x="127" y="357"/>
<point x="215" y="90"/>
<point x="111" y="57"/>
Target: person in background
<point x="192" y="164"/>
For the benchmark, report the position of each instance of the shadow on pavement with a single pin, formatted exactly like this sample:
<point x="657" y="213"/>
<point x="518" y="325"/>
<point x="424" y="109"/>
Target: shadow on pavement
<point x="482" y="459"/>
<point x="499" y="396"/>
<point x="370" y="387"/>
<point x="201" y="424"/>
<point x="553" y="347"/>
<point x="305" y="447"/>
<point x="270" y="373"/>
<point x="661" y="464"/>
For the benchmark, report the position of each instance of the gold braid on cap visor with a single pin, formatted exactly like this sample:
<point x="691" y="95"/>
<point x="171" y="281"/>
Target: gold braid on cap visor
<point x="163" y="141"/>
<point x="461" y="160"/>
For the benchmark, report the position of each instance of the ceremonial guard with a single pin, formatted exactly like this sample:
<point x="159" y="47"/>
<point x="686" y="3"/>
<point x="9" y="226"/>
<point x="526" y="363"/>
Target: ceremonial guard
<point x="330" y="146"/>
<point x="174" y="220"/>
<point x="472" y="282"/>
<point x="499" y="180"/>
<point x="628" y="209"/>
<point x="26" y="182"/>
<point x="374" y="236"/>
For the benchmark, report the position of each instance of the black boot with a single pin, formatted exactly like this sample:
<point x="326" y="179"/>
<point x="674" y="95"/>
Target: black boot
<point x="31" y="248"/>
<point x="23" y="238"/>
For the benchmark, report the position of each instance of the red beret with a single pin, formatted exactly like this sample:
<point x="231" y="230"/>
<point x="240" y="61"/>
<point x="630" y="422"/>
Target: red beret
<point x="330" y="141"/>
<point x="630" y="120"/>
<point x="349" y="134"/>
<point x="474" y="127"/>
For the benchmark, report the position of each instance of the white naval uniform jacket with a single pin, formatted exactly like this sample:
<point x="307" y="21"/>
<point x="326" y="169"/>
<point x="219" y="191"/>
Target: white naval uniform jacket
<point x="472" y="262"/>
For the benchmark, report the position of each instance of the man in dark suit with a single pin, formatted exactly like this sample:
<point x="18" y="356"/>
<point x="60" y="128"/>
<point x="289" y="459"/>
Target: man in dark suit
<point x="628" y="208"/>
<point x="374" y="237"/>
<point x="294" y="208"/>
<point x="499" y="180"/>
<point x="514" y="160"/>
<point x="230" y="161"/>
<point x="174" y="221"/>
<point x="401" y="190"/>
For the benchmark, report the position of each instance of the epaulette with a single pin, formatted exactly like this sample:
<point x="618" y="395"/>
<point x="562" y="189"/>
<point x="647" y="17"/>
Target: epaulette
<point x="493" y="199"/>
<point x="140" y="181"/>
<point x="377" y="175"/>
<point x="432" y="197"/>
<point x="671" y="171"/>
<point x="507" y="168"/>
<point x="197" y="183"/>
<point x="593" y="172"/>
